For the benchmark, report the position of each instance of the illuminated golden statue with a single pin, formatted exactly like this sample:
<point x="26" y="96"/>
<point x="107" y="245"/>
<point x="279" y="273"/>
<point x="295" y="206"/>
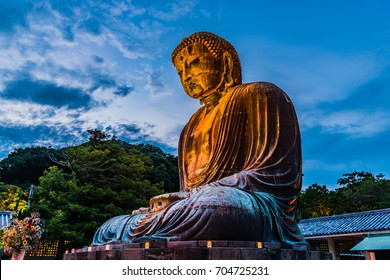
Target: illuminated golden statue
<point x="239" y="158"/>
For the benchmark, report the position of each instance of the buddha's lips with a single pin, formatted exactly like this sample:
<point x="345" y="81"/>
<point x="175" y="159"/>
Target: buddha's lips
<point x="191" y="87"/>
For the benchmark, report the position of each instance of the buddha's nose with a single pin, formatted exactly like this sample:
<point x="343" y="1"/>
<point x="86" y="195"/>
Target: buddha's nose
<point x="186" y="72"/>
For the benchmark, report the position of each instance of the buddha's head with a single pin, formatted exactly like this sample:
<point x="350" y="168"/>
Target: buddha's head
<point x="207" y="64"/>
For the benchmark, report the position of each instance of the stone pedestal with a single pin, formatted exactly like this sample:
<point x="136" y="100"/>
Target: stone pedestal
<point x="197" y="250"/>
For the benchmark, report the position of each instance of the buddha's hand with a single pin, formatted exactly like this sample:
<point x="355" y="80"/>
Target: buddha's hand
<point x="162" y="201"/>
<point x="142" y="210"/>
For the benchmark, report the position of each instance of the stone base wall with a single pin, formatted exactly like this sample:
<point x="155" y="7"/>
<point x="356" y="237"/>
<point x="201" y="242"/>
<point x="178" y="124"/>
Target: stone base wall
<point x="196" y="250"/>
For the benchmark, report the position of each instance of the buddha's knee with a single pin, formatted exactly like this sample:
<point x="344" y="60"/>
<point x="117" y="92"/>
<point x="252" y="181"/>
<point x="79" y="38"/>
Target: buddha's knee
<point x="222" y="197"/>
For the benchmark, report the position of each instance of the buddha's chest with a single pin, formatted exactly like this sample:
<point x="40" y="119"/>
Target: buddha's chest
<point x="200" y="142"/>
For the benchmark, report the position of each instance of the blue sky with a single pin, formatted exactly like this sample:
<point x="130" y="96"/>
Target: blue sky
<point x="69" y="66"/>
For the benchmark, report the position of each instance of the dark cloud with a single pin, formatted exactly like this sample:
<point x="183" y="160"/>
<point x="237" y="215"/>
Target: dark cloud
<point x="67" y="33"/>
<point x="103" y="81"/>
<point x="129" y="129"/>
<point x="107" y="82"/>
<point x="97" y="59"/>
<point x="27" y="136"/>
<point x="13" y="13"/>
<point x="45" y="93"/>
<point x="123" y="90"/>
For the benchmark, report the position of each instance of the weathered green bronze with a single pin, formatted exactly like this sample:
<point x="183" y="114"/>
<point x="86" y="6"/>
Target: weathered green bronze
<point x="239" y="158"/>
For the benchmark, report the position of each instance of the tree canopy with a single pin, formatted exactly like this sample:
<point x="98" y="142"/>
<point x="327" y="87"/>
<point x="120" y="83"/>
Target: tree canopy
<point x="23" y="167"/>
<point x="359" y="191"/>
<point x="78" y="188"/>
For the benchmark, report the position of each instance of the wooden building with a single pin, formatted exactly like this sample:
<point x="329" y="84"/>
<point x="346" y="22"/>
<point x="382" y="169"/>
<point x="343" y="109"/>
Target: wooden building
<point x="340" y="234"/>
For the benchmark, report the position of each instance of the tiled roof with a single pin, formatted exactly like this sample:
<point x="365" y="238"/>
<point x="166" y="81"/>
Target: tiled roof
<point x="5" y="217"/>
<point x="374" y="243"/>
<point x="369" y="221"/>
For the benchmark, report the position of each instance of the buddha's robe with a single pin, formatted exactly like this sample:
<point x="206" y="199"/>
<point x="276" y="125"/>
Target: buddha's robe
<point x="240" y="162"/>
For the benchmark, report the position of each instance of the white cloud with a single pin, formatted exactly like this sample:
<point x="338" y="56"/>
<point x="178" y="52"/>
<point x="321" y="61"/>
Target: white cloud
<point x="17" y="113"/>
<point x="177" y="10"/>
<point x="357" y="123"/>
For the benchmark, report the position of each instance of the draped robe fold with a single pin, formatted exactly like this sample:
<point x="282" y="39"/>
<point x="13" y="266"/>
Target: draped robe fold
<point x="247" y="187"/>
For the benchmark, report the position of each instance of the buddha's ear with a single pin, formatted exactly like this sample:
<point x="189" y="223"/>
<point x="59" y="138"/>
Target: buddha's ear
<point x="228" y="69"/>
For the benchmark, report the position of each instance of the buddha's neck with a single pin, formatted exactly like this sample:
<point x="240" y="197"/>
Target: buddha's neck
<point x="212" y="100"/>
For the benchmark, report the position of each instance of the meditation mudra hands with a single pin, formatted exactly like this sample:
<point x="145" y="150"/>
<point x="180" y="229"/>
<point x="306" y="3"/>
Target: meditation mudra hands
<point x="160" y="202"/>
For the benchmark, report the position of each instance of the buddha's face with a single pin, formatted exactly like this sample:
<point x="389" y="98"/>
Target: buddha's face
<point x="200" y="72"/>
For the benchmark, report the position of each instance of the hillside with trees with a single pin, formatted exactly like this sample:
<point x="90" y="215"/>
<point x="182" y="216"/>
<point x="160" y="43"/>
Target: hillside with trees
<point x="78" y="188"/>
<point x="359" y="191"/>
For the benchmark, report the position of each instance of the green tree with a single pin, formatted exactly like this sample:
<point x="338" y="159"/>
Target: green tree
<point x="101" y="179"/>
<point x="361" y="191"/>
<point x="315" y="201"/>
<point x="96" y="136"/>
<point x="161" y="167"/>
<point x="23" y="167"/>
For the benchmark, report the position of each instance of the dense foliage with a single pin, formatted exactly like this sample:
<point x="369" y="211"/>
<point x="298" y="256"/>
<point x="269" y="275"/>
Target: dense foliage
<point x="83" y="186"/>
<point x="359" y="191"/>
<point x="24" y="166"/>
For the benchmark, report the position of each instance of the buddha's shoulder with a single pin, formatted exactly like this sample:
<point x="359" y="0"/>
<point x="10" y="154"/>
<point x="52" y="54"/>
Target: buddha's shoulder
<point x="258" y="86"/>
<point x="255" y="89"/>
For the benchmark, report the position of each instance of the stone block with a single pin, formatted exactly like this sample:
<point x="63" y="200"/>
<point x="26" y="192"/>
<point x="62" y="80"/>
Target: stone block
<point x="271" y="254"/>
<point x="91" y="255"/>
<point x="182" y="244"/>
<point x="191" y="253"/>
<point x="300" y="247"/>
<point x="287" y="254"/>
<point x="133" y="254"/>
<point x="159" y="254"/>
<point x="253" y="254"/>
<point x="224" y="253"/>
<point x="82" y="256"/>
<point x="326" y="256"/>
<point x="242" y="244"/>
<point x="98" y="248"/>
<point x="301" y="255"/>
<point x="215" y="243"/>
<point x="111" y="255"/>
<point x="132" y="246"/>
<point x="69" y="256"/>
<point x="155" y="244"/>
<point x="99" y="255"/>
<point x="314" y="255"/>
<point x="272" y="245"/>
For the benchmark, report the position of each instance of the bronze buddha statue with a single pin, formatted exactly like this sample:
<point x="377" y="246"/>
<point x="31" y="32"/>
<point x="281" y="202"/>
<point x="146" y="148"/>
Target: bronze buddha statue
<point x="239" y="158"/>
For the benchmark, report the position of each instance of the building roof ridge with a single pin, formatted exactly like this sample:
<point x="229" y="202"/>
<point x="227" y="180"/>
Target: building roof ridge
<point x="347" y="215"/>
